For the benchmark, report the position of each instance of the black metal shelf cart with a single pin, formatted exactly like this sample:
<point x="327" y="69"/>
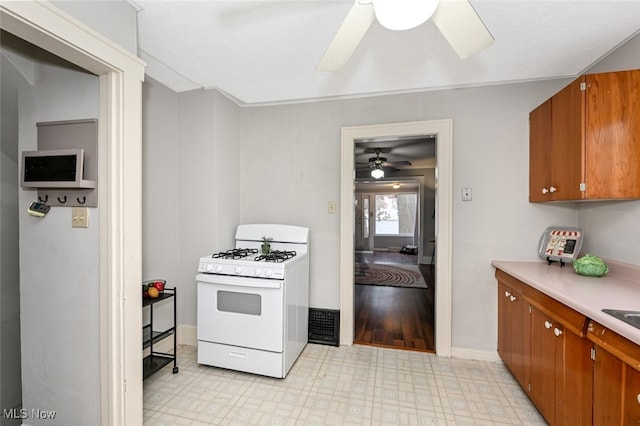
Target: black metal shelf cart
<point x="156" y="360"/>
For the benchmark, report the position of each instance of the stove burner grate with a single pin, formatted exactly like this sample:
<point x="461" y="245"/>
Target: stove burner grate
<point x="275" y="256"/>
<point x="234" y="253"/>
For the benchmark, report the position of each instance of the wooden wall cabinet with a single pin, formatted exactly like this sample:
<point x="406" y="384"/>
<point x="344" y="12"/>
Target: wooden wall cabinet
<point x="616" y="378"/>
<point x="584" y="142"/>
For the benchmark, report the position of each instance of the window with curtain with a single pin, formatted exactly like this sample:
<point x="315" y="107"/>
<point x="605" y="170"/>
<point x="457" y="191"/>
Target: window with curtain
<point x="396" y="214"/>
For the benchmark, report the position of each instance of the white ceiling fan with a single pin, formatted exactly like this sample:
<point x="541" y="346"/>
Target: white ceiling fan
<point x="456" y="19"/>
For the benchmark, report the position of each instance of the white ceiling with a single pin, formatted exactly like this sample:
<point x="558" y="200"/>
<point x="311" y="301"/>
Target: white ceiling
<point x="266" y="51"/>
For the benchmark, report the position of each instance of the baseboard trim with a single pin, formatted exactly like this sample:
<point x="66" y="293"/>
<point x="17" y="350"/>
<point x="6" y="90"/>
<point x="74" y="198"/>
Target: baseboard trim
<point x="188" y="335"/>
<point x="466" y="353"/>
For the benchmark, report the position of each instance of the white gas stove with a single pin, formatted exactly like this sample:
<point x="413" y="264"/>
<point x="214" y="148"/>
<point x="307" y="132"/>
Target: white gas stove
<point x="253" y="307"/>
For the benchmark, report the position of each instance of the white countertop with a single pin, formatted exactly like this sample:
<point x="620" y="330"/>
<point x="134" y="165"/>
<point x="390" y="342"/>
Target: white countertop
<point x="619" y="289"/>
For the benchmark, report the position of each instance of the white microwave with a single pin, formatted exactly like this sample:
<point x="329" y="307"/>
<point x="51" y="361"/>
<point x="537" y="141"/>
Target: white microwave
<point x="60" y="168"/>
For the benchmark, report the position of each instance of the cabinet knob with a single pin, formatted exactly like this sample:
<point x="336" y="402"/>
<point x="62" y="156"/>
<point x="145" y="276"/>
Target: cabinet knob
<point x="547" y="325"/>
<point x="553" y="189"/>
<point x="512" y="298"/>
<point x="638" y="398"/>
<point x="557" y="332"/>
<point x="545" y="190"/>
<point x="507" y="294"/>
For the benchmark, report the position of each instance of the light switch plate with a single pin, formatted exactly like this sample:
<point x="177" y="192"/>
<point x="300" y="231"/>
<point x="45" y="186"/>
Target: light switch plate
<point x="80" y="217"/>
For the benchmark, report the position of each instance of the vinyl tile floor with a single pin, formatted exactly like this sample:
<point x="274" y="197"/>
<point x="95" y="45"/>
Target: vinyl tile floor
<point x="347" y="385"/>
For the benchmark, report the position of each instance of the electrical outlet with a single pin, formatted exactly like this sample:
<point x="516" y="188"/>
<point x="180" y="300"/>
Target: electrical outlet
<point x="80" y="217"/>
<point x="331" y="207"/>
<point x="466" y="194"/>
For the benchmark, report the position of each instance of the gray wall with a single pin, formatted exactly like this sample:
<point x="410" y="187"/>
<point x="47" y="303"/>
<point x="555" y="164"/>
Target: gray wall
<point x="490" y="154"/>
<point x="114" y="19"/>
<point x="191" y="192"/>
<point x="10" y="370"/>
<point x="284" y="162"/>
<point x="59" y="280"/>
<point x="59" y="266"/>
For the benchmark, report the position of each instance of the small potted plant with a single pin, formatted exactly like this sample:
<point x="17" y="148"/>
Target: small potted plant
<point x="265" y="248"/>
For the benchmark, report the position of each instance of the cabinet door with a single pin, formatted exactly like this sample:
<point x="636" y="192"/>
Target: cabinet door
<point x="539" y="153"/>
<point x="504" y="324"/>
<point x="574" y="392"/>
<point x="613" y="135"/>
<point x="513" y="332"/>
<point x="567" y="142"/>
<point x="616" y="391"/>
<point x="545" y="354"/>
<point x="631" y="402"/>
<point x="616" y="384"/>
<point x="607" y="388"/>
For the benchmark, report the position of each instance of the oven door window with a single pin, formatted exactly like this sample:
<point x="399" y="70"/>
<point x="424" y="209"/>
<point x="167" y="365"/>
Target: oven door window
<point x="239" y="303"/>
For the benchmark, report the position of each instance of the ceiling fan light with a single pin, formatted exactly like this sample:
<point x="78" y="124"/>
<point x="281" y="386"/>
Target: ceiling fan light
<point x="377" y="173"/>
<point x="401" y="15"/>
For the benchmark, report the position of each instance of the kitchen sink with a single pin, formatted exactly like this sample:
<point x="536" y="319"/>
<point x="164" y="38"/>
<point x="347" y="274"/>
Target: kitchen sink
<point x="630" y="317"/>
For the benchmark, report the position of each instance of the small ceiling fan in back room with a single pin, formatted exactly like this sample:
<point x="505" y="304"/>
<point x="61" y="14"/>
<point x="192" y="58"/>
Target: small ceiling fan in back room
<point x="380" y="165"/>
<point x="456" y="19"/>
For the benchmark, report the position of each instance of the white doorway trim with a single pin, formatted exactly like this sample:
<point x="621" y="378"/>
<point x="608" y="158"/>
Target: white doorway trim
<point x="443" y="130"/>
<point x="120" y="181"/>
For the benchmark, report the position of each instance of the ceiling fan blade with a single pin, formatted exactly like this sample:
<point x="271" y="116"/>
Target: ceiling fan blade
<point x="398" y="163"/>
<point x="377" y="150"/>
<point x="353" y="28"/>
<point x="462" y="27"/>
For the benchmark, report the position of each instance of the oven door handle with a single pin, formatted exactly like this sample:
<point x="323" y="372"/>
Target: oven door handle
<point x="232" y="281"/>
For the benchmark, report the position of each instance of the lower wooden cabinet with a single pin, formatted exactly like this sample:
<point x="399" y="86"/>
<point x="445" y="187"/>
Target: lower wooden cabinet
<point x="556" y="364"/>
<point x="616" y="378"/>
<point x="560" y="378"/>
<point x="513" y="331"/>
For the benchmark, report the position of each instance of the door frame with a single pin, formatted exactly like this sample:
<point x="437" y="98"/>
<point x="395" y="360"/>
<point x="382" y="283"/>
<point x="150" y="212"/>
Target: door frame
<point x="443" y="131"/>
<point x="359" y="212"/>
<point x="120" y="155"/>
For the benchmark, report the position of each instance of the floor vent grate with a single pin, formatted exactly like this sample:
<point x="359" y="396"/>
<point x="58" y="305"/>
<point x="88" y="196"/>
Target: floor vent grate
<point x="324" y="326"/>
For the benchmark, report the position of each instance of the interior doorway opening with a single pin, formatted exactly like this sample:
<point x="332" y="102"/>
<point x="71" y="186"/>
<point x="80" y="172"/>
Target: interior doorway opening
<point x="441" y="130"/>
<point x="394" y="281"/>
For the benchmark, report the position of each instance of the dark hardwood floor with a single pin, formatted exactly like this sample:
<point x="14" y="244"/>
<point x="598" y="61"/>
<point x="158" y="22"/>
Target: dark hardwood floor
<point x="395" y="317"/>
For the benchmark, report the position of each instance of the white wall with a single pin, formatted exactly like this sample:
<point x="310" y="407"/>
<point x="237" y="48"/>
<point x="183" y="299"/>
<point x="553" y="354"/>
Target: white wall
<point x="612" y="229"/>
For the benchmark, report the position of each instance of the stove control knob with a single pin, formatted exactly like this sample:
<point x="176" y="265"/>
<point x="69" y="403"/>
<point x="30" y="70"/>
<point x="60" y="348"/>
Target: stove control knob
<point x="238" y="270"/>
<point x="218" y="268"/>
<point x="258" y="272"/>
<point x="209" y="268"/>
<point x="267" y="272"/>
